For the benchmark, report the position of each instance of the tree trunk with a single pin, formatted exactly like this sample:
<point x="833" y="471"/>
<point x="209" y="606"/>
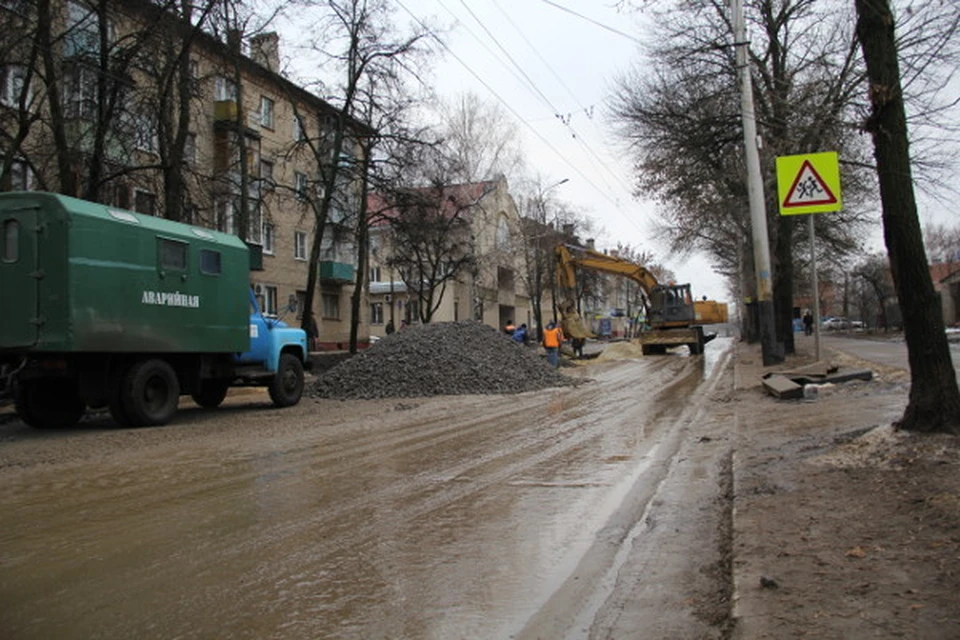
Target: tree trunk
<point x="783" y="283"/>
<point x="934" y="403"/>
<point x="363" y="227"/>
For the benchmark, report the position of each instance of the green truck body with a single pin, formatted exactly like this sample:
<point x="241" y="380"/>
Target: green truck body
<point x="94" y="278"/>
<point x="94" y="291"/>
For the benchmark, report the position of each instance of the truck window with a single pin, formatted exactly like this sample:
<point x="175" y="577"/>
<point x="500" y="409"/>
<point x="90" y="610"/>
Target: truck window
<point x="210" y="262"/>
<point x="173" y="255"/>
<point x="11" y="241"/>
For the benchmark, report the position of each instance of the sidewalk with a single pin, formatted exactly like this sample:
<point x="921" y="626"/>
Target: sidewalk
<point x="842" y="527"/>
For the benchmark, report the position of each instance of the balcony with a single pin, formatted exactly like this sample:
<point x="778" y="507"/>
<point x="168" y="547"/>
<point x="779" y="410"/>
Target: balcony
<point x="336" y="271"/>
<point x="225" y="117"/>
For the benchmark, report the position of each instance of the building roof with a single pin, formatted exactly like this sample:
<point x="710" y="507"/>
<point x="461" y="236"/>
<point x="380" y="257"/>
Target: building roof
<point x="943" y="271"/>
<point x="457" y="199"/>
<point x="152" y="12"/>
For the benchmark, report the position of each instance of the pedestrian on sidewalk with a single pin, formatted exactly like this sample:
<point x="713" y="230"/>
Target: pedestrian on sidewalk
<point x="808" y="324"/>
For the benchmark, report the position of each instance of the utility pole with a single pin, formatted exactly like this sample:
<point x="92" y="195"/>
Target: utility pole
<point x="772" y="351"/>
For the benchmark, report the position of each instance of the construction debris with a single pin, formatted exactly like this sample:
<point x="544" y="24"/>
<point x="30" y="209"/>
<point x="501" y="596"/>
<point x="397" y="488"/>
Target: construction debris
<point x="800" y="383"/>
<point x="444" y="358"/>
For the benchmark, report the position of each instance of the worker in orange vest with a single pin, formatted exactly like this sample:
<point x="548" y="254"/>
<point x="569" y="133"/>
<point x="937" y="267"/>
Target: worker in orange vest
<point x="552" y="338"/>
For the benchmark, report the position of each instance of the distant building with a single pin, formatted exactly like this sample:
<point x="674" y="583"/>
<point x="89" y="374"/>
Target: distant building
<point x="489" y="289"/>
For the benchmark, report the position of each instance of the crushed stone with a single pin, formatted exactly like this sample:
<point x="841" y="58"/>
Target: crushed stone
<point x="443" y="358"/>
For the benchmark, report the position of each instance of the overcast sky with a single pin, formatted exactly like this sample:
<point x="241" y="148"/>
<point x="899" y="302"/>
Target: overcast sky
<point x="551" y="66"/>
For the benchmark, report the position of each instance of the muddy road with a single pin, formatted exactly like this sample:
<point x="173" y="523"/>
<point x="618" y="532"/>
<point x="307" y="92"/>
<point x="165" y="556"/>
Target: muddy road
<point x="510" y="516"/>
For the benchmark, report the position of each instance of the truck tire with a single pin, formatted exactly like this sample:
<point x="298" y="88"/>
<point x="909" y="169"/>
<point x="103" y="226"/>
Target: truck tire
<point x="150" y="393"/>
<point x="287" y="385"/>
<point x="49" y="404"/>
<point x="211" y="393"/>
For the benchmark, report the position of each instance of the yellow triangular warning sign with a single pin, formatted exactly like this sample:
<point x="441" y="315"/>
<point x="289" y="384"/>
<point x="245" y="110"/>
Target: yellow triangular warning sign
<point x="808" y="189"/>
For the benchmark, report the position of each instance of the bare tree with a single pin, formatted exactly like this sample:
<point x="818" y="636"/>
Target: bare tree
<point x="680" y="117"/>
<point x="942" y="242"/>
<point x="357" y="37"/>
<point x="934" y="402"/>
<point x="432" y="240"/>
<point x="480" y="140"/>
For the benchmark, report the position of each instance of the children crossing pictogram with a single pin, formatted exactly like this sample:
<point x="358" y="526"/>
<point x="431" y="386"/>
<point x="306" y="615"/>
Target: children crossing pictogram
<point x="808" y="189"/>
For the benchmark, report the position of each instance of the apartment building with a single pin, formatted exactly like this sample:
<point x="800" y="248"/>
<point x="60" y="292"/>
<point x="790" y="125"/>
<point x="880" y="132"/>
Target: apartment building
<point x="136" y="107"/>
<point x="489" y="284"/>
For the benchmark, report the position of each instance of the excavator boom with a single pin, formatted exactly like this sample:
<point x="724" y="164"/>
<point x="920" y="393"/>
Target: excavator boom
<point x="672" y="314"/>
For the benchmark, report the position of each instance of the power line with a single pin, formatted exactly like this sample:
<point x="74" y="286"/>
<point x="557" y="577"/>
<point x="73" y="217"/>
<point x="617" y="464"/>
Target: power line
<point x="591" y="20"/>
<point x="600" y="164"/>
<point x="507" y="105"/>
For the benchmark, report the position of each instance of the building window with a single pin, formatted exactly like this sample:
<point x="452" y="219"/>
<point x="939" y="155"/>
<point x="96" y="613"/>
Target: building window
<point x="145" y="202"/>
<point x="266" y="112"/>
<point x="226" y="218"/>
<point x="299" y="245"/>
<point x="412" y="311"/>
<point x="80" y="96"/>
<point x="268" y="239"/>
<point x="376" y="313"/>
<point x="299" y="131"/>
<point x="224" y="89"/>
<point x="82" y="35"/>
<point x="269" y="300"/>
<point x="266" y="175"/>
<point x="375" y="274"/>
<point x="19" y="178"/>
<point x="300" y="185"/>
<point x="14" y="83"/>
<point x="190" y="149"/>
<point x="255" y="223"/>
<point x="21" y="7"/>
<point x="331" y="305"/>
<point x="145" y="133"/>
<point x="503" y="234"/>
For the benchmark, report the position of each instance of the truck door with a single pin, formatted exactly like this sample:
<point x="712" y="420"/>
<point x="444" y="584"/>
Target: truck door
<point x="260" y="341"/>
<point x="19" y="277"/>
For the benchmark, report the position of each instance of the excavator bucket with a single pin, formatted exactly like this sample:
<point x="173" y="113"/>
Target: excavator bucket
<point x="571" y="323"/>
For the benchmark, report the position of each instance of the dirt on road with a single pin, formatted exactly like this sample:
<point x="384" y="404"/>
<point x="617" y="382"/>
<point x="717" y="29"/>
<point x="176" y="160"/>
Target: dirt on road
<point x="843" y="527"/>
<point x="455" y="517"/>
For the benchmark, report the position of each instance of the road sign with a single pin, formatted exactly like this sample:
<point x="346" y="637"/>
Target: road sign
<point x="809" y="183"/>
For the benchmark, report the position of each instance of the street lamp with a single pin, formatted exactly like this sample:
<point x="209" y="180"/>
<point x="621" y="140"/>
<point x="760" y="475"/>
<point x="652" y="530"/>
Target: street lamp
<point x="539" y="259"/>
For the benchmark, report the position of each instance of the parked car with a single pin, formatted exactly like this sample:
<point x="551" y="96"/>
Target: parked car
<point x="840" y="324"/>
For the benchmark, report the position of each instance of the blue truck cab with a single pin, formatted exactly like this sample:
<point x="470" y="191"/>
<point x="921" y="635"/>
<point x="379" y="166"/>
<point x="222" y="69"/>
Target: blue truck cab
<point x="269" y="338"/>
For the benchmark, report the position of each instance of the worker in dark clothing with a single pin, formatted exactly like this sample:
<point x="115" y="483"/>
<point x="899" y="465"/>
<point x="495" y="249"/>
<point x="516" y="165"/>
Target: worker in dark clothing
<point x="520" y="334"/>
<point x="808" y="323"/>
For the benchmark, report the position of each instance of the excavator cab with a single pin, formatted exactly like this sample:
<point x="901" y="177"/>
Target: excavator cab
<point x="671" y="305"/>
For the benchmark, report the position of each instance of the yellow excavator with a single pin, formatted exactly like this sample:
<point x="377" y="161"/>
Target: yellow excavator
<point x="673" y="317"/>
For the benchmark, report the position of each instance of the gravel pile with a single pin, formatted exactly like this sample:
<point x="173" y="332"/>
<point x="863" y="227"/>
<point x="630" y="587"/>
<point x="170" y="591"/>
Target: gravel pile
<point x="444" y="358"/>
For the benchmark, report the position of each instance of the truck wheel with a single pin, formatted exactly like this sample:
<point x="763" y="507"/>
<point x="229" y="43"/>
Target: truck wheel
<point x="211" y="393"/>
<point x="150" y="393"/>
<point x="287" y="385"/>
<point x="49" y="404"/>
